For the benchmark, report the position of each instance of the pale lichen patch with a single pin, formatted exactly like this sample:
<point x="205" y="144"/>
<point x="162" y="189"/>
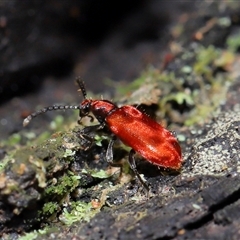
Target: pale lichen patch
<point x="216" y="151"/>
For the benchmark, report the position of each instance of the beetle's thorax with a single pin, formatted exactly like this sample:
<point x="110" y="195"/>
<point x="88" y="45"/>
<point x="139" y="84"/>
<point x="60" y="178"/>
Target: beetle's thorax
<point x="100" y="108"/>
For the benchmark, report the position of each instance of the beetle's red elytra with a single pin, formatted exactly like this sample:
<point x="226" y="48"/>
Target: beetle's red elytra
<point x="151" y="140"/>
<point x="134" y="128"/>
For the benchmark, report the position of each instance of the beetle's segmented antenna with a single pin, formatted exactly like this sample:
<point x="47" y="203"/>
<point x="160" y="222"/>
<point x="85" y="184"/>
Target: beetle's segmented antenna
<point x="81" y="87"/>
<point x="47" y="109"/>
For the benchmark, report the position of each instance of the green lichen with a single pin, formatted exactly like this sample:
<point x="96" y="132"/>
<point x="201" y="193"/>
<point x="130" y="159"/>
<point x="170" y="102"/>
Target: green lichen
<point x="34" y="234"/>
<point x="224" y="22"/>
<point x="233" y="42"/>
<point x="179" y="98"/>
<point x="205" y="58"/>
<point x="57" y="123"/>
<point x="69" y="153"/>
<point x="99" y="138"/>
<point x="50" y="208"/>
<point x="96" y="173"/>
<point x="123" y="89"/>
<point x="65" y="185"/>
<point x="13" y="140"/>
<point x="5" y="161"/>
<point x="197" y="68"/>
<point x="30" y="136"/>
<point x="80" y="211"/>
<point x="209" y="87"/>
<point x="57" y="192"/>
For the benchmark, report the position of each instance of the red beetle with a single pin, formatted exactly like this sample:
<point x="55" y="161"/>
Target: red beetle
<point x="134" y="128"/>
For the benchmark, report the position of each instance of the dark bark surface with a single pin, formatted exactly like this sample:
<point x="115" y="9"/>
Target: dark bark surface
<point x="201" y="201"/>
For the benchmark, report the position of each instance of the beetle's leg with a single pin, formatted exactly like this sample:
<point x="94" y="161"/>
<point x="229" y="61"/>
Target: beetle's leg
<point x="80" y="118"/>
<point x="91" y="118"/>
<point x="109" y="156"/>
<point x="94" y="128"/>
<point x="89" y="140"/>
<point x="132" y="164"/>
<point x="109" y="153"/>
<point x="84" y="134"/>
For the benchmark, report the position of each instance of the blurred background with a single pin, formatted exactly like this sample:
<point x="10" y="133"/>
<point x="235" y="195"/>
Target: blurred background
<point x="44" y="45"/>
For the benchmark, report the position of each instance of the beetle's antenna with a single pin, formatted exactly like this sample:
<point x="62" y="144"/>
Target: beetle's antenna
<point x="81" y="87"/>
<point x="47" y="109"/>
<point x="53" y="108"/>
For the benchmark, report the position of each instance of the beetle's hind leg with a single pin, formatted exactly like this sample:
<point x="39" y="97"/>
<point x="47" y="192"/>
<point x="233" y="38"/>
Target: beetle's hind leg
<point x="131" y="161"/>
<point x="132" y="164"/>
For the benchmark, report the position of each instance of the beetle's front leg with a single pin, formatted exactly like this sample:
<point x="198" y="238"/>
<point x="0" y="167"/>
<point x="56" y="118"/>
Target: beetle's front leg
<point x="80" y="118"/>
<point x="85" y="134"/>
<point x="132" y="163"/>
<point x="89" y="141"/>
<point x="94" y="128"/>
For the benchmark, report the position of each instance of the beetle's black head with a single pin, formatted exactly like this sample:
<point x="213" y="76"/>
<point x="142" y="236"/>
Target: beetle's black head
<point x="100" y="108"/>
<point x="85" y="108"/>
